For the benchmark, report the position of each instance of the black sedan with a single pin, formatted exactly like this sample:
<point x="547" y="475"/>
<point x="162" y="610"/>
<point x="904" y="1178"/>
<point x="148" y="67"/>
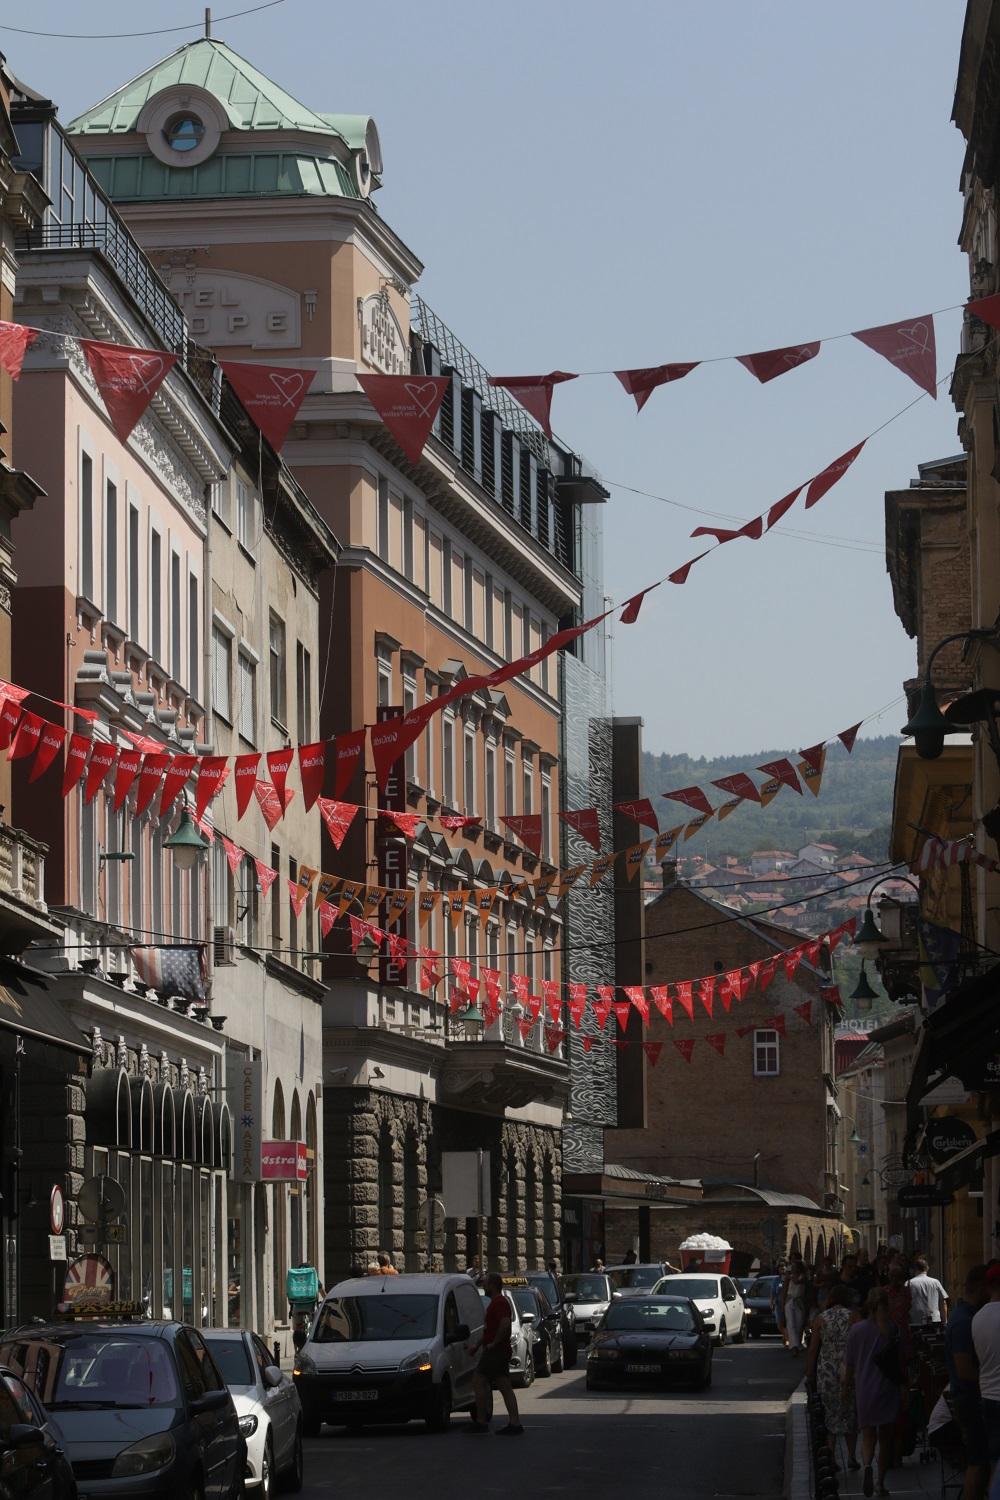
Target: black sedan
<point x="551" y="1289"/>
<point x="33" y="1465"/>
<point x="650" y="1340"/>
<point x="757" y="1300"/>
<point x="142" y="1408"/>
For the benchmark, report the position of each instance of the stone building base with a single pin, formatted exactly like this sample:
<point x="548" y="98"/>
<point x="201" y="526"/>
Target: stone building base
<point x="382" y="1157"/>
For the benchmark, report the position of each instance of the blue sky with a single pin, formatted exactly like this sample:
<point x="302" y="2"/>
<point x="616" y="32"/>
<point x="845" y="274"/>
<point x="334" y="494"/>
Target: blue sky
<point x="593" y="187"/>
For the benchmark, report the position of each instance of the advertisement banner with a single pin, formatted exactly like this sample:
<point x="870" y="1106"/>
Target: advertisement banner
<point x="283" y="1161"/>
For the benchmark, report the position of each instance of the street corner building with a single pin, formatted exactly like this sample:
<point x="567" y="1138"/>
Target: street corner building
<point x="260" y="243"/>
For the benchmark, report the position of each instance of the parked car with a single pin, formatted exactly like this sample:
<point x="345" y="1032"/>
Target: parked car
<point x="390" y="1349"/>
<point x="267" y="1405"/>
<point x="522" y="1344"/>
<point x="661" y="1339"/>
<point x="552" y="1289"/>
<point x="32" y="1460"/>
<point x="757" y="1300"/>
<point x="637" y="1280"/>
<point x="743" y="1284"/>
<point x="142" y="1407"/>
<point x="589" y="1295"/>
<point x="535" y="1309"/>
<point x="715" y="1297"/>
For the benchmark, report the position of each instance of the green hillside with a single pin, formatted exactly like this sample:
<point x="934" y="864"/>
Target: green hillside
<point x="853" y="809"/>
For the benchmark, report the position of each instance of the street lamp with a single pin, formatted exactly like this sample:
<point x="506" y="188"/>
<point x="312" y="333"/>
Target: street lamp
<point x="863" y="994"/>
<point x="870" y="939"/>
<point x="927" y="725"/>
<point x="186" y="844"/>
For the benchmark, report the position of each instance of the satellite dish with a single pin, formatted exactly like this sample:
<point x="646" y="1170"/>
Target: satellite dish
<point x="101" y="1198"/>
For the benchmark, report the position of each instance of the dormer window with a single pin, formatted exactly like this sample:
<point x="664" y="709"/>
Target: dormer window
<point x="184" y="132"/>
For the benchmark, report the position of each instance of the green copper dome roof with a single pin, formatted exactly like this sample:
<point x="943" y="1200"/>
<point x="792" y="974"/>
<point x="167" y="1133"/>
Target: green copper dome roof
<point x="251" y="101"/>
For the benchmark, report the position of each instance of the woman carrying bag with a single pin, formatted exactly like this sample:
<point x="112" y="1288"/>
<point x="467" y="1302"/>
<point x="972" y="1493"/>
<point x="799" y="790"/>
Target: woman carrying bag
<point x="873" y="1361"/>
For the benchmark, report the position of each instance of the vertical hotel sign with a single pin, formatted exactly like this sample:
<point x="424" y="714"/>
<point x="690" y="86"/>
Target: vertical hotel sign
<point x="393" y="852"/>
<point x="245" y="1097"/>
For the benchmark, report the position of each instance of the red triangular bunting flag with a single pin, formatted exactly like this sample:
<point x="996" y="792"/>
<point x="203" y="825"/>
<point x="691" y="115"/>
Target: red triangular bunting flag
<point x="102" y="757"/>
<point x="278" y="765"/>
<point x="53" y="736"/>
<point x="392" y="738"/>
<point x="407" y="406"/>
<point x="637" y="997"/>
<point x="525" y="1026"/>
<point x="15" y="340"/>
<point x="534" y="392"/>
<point x="739" y="785"/>
<point x="660" y="996"/>
<point x="814" y="756"/>
<point x="266" y="875"/>
<point x="126" y="771"/>
<point x="718" y="1041"/>
<point x="528" y="828"/>
<point x="212" y="773"/>
<point x="642" y="383"/>
<point x="554" y="1037"/>
<point x="153" y="767"/>
<point x="29" y="732"/>
<point x="622" y="1010"/>
<point x="327" y="917"/>
<point x="347" y="751"/>
<point x="773" y="362"/>
<point x="76" y="759"/>
<point x="312" y="768"/>
<point x="406" y="822"/>
<point x="338" y="817"/>
<point x="685" y="1046"/>
<point x="178" y="771"/>
<point x="986" y="309"/>
<point x="584" y="820"/>
<point x="270" y="395"/>
<point x="805" y="1011"/>
<point x="652" y="1051"/>
<point x="234" y="854"/>
<point x="455" y="822"/>
<point x="782" y="507"/>
<point x="641" y="809"/>
<point x="245" y="780"/>
<point x="298" y="897"/>
<point x="602" y="1006"/>
<point x="684" y="997"/>
<point x="587" y="1042"/>
<point x="10" y="714"/>
<point x="127" y="379"/>
<point x="271" y="805"/>
<point x="848" y="736"/>
<point x="630" y="611"/>
<point x="680" y="575"/>
<point x="783" y="771"/>
<point x="577" y="1002"/>
<point x="829" y="476"/>
<point x="910" y="346"/>
<point x="691" y="796"/>
<point x="706" y="991"/>
<point x="776" y="1023"/>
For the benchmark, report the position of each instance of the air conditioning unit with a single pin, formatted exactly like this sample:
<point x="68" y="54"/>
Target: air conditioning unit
<point x="223" y="945"/>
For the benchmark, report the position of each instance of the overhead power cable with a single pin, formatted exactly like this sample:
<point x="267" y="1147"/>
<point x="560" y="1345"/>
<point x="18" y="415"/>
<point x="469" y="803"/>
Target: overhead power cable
<point x="110" y="36"/>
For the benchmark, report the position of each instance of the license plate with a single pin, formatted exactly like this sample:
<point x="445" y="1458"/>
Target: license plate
<point x="355" y="1395"/>
<point x="642" y="1369"/>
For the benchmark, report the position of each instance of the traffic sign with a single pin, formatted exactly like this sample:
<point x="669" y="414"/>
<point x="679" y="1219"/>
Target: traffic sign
<point x="57" y="1247"/>
<point x="57" y="1210"/>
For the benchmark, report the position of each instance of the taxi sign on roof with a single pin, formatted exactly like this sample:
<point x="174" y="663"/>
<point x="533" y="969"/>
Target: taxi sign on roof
<point x="515" y="1281"/>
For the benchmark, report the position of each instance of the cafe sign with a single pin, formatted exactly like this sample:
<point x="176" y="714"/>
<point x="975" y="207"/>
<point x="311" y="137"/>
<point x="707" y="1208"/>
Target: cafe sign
<point x="947" y="1137"/>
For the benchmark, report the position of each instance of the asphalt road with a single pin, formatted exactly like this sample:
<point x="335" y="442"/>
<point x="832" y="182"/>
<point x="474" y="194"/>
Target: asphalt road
<point x="726" y="1443"/>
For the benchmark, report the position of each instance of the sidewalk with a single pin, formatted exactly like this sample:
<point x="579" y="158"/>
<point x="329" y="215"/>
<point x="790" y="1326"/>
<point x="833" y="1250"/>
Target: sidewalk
<point x="914" y="1478"/>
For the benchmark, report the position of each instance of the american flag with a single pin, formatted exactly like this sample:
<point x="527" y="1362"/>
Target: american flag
<point x="177" y="969"/>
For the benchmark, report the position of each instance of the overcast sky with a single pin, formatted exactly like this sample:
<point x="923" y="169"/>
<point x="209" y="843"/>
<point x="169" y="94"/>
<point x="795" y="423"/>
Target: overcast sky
<point x="594" y="187"/>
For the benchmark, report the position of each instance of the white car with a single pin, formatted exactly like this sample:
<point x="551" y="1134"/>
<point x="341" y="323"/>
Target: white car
<point x="267" y="1405"/>
<point x="716" y="1298"/>
<point x="589" y="1294"/>
<point x="522" y="1344"/>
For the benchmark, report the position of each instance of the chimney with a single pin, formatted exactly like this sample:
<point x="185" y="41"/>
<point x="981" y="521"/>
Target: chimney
<point x="668" y="870"/>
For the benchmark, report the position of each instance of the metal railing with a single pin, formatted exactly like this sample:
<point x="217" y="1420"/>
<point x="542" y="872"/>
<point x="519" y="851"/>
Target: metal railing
<point x="126" y="257"/>
<point x="425" y="322"/>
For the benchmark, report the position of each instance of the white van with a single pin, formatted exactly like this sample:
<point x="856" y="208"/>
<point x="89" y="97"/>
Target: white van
<point x="390" y="1349"/>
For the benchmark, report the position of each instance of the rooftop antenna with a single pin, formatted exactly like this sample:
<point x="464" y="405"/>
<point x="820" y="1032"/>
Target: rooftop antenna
<point x="208" y="21"/>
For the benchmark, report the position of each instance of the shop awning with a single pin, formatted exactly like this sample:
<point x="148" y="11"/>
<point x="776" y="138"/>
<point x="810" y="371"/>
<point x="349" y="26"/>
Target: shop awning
<point x="27" y="1007"/>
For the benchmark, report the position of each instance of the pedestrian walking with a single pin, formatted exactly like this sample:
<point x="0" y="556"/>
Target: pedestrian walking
<point x="849" y="1278"/>
<point x="778" y="1302"/>
<point x="963" y="1383"/>
<point x="873" y="1366"/>
<point x="796" y="1304"/>
<point x="630" y="1257"/>
<point x="928" y="1298"/>
<point x="824" y="1370"/>
<point x="986" y="1341"/>
<point x="598" y="1264"/>
<point x="493" y="1369"/>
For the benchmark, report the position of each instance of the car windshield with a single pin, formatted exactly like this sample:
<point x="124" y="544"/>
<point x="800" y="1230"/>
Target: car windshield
<point x="523" y="1299"/>
<point x="383" y="1317"/>
<point x="633" y="1276"/>
<point x="97" y="1370"/>
<point x="546" y="1284"/>
<point x="232" y="1359"/>
<point x="698" y="1287"/>
<point x="593" y="1288"/>
<point x="762" y="1287"/>
<point x="649" y="1317"/>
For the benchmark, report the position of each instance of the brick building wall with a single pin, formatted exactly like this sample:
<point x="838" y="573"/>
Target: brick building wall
<point x="708" y="1118"/>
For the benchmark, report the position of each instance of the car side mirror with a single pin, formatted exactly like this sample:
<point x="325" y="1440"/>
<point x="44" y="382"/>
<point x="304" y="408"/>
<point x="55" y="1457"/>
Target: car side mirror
<point x="272" y="1376"/>
<point x="527" y="1317"/>
<point x="25" y="1435"/>
<point x="209" y="1401"/>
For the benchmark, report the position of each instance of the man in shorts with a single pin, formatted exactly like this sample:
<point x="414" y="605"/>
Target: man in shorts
<point x="493" y="1369"/>
<point x="963" y="1383"/>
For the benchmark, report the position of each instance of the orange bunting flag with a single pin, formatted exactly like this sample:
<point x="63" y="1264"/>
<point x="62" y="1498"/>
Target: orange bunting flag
<point x="770" y="790"/>
<point x="728" y="807"/>
<point x="456" y="907"/>
<point x="664" y="842"/>
<point x="371" y="900"/>
<point x="634" y="857"/>
<point x="569" y="879"/>
<point x="306" y="878"/>
<point x="427" y="905"/>
<point x="350" y="890"/>
<point x="693" y="827"/>
<point x="813" y="775"/>
<point x="600" y="867"/>
<point x="398" y="904"/>
<point x="327" y="885"/>
<point x="485" y="902"/>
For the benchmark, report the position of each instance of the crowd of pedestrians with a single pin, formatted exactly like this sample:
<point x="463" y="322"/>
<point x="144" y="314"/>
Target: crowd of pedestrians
<point x="859" y="1322"/>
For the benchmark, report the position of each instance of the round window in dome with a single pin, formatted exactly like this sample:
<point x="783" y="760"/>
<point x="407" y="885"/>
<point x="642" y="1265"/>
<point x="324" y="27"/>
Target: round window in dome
<point x="184" y="132"/>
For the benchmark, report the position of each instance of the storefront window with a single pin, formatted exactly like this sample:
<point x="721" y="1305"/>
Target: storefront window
<point x="206" y="1239"/>
<point x="168" y="1240"/>
<point x="146" y="1235"/>
<point x="187" y="1245"/>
